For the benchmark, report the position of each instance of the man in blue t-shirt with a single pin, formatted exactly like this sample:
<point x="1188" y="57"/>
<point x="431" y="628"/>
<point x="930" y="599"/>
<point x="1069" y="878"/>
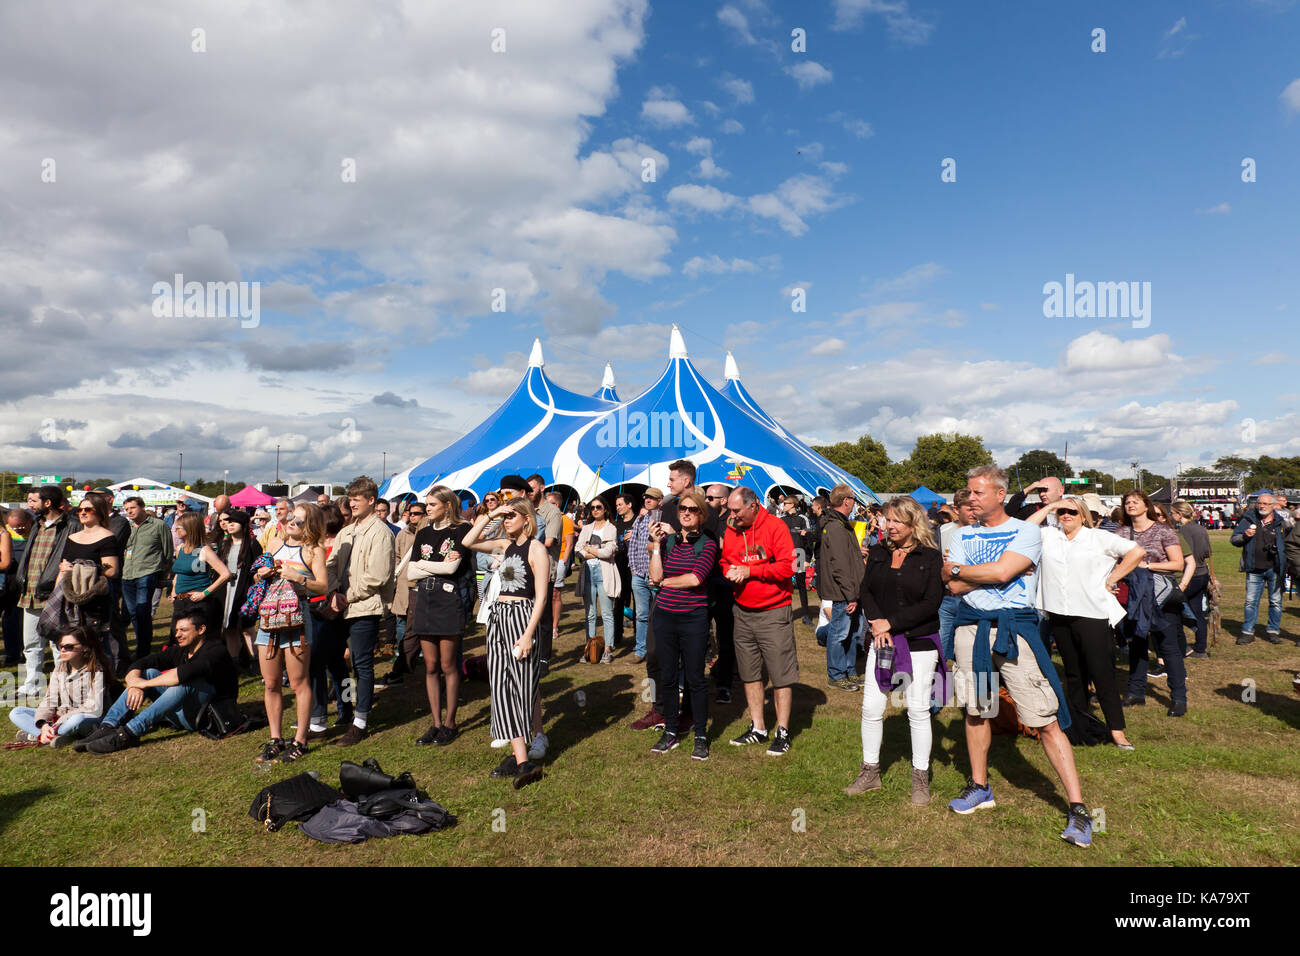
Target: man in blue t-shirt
<point x="991" y="567"/>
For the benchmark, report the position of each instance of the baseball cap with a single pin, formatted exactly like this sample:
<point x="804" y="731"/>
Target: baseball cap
<point x="653" y="493"/>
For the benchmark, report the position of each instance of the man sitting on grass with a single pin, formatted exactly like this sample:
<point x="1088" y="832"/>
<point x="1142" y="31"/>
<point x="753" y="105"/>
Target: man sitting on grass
<point x="178" y="681"/>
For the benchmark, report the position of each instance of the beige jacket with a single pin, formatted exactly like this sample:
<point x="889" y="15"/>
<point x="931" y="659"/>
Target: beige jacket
<point x="369" y="545"/>
<point x="605" y="555"/>
<point x="402" y="587"/>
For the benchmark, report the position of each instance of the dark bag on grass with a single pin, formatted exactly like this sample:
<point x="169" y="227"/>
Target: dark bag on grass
<point x="296" y="798"/>
<point x="406" y="811"/>
<point x="360" y="780"/>
<point x="220" y="719"/>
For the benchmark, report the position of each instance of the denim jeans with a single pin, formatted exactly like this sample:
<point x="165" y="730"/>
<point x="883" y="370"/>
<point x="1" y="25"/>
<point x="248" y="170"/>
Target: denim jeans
<point x="948" y="623"/>
<point x="74" y="726"/>
<point x="363" y="635"/>
<point x="137" y="595"/>
<point x="1256" y="582"/>
<point x="642" y="595"/>
<point x="178" y="706"/>
<point x="596" y="596"/>
<point x="842" y="635"/>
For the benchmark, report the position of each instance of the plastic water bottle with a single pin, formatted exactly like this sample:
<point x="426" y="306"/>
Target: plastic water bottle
<point x="885" y="657"/>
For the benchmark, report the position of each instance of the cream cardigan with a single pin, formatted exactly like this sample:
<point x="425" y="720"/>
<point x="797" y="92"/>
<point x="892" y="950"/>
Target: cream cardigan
<point x="605" y="555"/>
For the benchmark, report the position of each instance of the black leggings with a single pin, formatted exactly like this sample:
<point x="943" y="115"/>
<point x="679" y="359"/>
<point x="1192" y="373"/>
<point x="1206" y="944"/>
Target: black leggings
<point x="1088" y="652"/>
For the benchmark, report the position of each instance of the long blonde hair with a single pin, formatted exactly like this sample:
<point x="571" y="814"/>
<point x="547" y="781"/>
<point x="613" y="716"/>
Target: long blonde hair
<point x="907" y="508"/>
<point x="450" y="503"/>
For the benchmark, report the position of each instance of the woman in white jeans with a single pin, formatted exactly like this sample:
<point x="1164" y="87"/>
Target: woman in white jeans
<point x="900" y="597"/>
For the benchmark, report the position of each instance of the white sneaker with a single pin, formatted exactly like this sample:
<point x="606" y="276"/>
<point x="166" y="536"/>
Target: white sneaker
<point x="498" y="743"/>
<point x="538" y="750"/>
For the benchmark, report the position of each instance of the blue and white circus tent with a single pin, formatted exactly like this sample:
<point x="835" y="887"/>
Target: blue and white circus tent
<point x="521" y="437"/>
<point x="607" y="391"/>
<point x="592" y="444"/>
<point x="735" y="390"/>
<point x="682" y="416"/>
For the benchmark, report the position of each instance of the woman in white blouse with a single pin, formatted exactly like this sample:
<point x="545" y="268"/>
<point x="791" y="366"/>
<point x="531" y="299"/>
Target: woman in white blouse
<point x="1079" y="573"/>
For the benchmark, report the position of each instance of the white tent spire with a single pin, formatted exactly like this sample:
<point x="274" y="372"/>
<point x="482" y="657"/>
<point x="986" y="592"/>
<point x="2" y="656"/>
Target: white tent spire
<point x="733" y="370"/>
<point x="608" y="380"/>
<point x="677" y="345"/>
<point x="535" y="360"/>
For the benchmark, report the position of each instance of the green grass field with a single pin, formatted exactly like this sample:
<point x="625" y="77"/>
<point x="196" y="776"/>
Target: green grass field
<point x="1220" y="786"/>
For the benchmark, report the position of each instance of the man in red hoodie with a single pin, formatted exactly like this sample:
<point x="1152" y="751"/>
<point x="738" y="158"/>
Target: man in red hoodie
<point x="758" y="559"/>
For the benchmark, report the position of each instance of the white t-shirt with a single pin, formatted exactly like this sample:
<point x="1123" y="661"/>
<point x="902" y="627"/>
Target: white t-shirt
<point x="1072" y="574"/>
<point x="977" y="544"/>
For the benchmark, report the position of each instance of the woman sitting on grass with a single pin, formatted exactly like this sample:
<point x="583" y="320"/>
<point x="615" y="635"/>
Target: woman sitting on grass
<point x="74" y="703"/>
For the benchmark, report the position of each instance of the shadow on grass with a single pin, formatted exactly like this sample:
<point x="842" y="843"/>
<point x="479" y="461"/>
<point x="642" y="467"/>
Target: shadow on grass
<point x="603" y="704"/>
<point x="1278" y="706"/>
<point x="15" y="803"/>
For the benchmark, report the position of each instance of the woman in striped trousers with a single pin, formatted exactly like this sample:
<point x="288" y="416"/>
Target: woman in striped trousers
<point x="513" y="659"/>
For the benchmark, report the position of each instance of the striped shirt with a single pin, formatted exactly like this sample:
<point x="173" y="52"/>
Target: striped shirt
<point x="682" y="559"/>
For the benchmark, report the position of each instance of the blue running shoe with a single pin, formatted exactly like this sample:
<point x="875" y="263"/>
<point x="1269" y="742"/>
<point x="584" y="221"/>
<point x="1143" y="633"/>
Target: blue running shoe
<point x="974" y="797"/>
<point x="1078" y="828"/>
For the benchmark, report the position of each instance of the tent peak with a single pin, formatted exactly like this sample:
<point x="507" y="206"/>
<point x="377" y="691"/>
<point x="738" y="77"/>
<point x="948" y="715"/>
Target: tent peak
<point x="733" y="370"/>
<point x="677" y="344"/>
<point x="535" y="359"/>
<point x="608" y="380"/>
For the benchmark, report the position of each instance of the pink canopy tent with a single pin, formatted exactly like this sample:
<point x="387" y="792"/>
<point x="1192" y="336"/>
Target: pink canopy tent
<point x="250" y="497"/>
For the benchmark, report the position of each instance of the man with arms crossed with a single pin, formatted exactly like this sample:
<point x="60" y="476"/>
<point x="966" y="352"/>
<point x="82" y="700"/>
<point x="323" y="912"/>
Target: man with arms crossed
<point x="990" y="567"/>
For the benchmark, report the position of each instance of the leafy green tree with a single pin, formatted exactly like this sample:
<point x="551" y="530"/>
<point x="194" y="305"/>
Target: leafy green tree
<point x="940" y="461"/>
<point x="1039" y="463"/>
<point x="865" y="459"/>
<point x="1232" y="465"/>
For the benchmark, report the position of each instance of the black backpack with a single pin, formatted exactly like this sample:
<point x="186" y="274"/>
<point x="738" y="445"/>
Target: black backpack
<point x="296" y="798"/>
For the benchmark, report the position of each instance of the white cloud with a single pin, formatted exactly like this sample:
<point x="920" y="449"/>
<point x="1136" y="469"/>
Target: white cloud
<point x="828" y="347"/>
<point x="1291" y="96"/>
<point x="735" y="21"/>
<point x="797" y="197"/>
<point x="1273" y="358"/>
<point x="1178" y="27"/>
<point x="1097" y="351"/>
<point x="903" y="25"/>
<point x="665" y="113"/>
<point x="809" y="73"/>
<point x="852" y="124"/>
<point x="912" y="278"/>
<point x="708" y="169"/>
<point x="1222" y="209"/>
<point x="789" y="290"/>
<point x="742" y="91"/>
<point x="732" y="126"/>
<point x="716" y="265"/>
<point x="699" y="145"/>
<point x="813" y="151"/>
<point x="703" y="198"/>
<point x="834" y="169"/>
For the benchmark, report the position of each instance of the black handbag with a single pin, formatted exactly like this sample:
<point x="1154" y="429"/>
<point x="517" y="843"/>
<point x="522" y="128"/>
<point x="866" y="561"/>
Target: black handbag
<point x="406" y="802"/>
<point x="220" y="719"/>
<point x="296" y="798"/>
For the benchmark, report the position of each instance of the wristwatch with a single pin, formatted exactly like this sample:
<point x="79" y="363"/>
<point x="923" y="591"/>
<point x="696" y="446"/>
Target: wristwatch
<point x="956" y="570"/>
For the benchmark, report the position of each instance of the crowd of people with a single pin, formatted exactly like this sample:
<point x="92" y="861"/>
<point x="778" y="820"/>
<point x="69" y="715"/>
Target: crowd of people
<point x="944" y="608"/>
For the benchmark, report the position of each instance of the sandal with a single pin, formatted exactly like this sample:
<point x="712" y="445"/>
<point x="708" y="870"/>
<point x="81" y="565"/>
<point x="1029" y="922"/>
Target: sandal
<point x="291" y="752"/>
<point x="272" y="750"/>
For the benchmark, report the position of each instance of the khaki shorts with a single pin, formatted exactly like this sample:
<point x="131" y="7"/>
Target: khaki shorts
<point x="1036" y="702"/>
<point x="766" y="638"/>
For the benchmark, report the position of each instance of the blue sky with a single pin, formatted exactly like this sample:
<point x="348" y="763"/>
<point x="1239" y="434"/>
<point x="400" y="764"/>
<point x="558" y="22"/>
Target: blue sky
<point x="774" y="169"/>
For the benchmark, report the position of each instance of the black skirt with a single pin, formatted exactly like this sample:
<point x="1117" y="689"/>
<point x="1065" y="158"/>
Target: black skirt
<point x="436" y="609"/>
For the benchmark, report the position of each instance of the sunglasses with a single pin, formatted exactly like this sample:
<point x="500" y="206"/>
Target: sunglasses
<point x="415" y="514"/>
<point x="688" y="510"/>
<point x="652" y="498"/>
<point x="69" y="647"/>
<point x="294" y="521"/>
<point x="85" y="511"/>
<point x="1068" y="511"/>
